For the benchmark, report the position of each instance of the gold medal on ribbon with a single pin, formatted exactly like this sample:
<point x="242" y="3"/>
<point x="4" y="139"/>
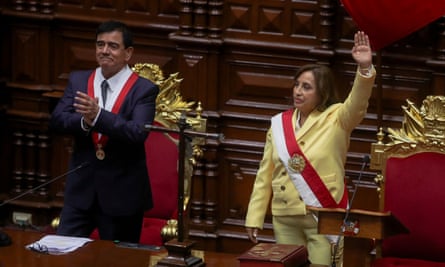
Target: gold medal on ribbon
<point x="100" y="153"/>
<point x="296" y="163"/>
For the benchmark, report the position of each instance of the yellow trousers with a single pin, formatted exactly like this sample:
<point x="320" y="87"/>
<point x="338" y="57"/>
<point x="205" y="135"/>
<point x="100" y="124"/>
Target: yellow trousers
<point x="302" y="230"/>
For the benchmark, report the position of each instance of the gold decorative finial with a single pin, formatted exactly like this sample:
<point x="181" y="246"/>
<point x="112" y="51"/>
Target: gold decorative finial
<point x="198" y="110"/>
<point x="380" y="136"/>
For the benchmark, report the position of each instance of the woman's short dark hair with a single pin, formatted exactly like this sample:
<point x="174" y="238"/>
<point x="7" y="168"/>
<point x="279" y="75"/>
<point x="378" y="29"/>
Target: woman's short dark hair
<point x="325" y="83"/>
<point x="112" y="25"/>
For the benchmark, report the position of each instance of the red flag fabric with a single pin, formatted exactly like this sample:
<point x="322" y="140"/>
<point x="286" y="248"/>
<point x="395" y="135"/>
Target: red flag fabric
<point x="386" y="21"/>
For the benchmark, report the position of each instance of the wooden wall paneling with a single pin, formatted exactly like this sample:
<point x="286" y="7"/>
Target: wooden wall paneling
<point x="281" y="23"/>
<point x="74" y="50"/>
<point x="437" y="62"/>
<point x="155" y="47"/>
<point x="32" y="46"/>
<point x="197" y="66"/>
<point x="140" y="13"/>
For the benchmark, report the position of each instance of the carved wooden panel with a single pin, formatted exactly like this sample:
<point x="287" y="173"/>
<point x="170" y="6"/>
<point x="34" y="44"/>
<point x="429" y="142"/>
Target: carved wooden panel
<point x="27" y="39"/>
<point x="285" y="22"/>
<point x="138" y="12"/>
<point x="75" y="50"/>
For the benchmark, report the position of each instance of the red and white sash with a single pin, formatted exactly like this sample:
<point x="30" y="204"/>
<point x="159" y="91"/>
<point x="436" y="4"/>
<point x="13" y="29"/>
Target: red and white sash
<point x="102" y="140"/>
<point x="307" y="181"/>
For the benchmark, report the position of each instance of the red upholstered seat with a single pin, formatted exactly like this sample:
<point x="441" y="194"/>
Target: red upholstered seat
<point x="162" y="162"/>
<point x="414" y="193"/>
<point x="413" y="187"/>
<point x="402" y="262"/>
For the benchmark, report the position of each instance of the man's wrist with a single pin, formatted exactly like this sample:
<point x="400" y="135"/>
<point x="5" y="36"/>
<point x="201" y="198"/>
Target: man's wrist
<point x="84" y="124"/>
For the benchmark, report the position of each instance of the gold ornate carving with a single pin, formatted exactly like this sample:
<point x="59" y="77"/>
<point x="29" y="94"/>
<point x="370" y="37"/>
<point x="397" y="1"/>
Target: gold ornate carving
<point x="425" y="125"/>
<point x="379" y="181"/>
<point x="169" y="103"/>
<point x="169" y="108"/>
<point x="170" y="230"/>
<point x="423" y="130"/>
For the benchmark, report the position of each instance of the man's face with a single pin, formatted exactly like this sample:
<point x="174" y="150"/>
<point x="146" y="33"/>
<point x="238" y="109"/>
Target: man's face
<point x="111" y="53"/>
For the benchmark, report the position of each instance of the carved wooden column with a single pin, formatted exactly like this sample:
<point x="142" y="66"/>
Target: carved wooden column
<point x="47" y="6"/>
<point x="213" y="184"/>
<point x="200" y="18"/>
<point x="186" y="17"/>
<point x="215" y="18"/>
<point x="18" y="171"/>
<point x="30" y="160"/>
<point x="31" y="165"/>
<point x="326" y="28"/>
<point x="197" y="195"/>
<point x="18" y="5"/>
<point x="34" y="6"/>
<point x="42" y="170"/>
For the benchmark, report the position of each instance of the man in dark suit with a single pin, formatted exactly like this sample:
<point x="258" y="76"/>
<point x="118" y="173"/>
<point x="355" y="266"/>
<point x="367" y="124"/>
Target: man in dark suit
<point x="105" y="110"/>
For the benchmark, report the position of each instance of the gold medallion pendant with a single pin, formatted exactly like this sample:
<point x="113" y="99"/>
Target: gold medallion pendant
<point x="296" y="163"/>
<point x="100" y="153"/>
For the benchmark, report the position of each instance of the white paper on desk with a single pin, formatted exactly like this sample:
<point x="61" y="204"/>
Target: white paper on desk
<point x="57" y="244"/>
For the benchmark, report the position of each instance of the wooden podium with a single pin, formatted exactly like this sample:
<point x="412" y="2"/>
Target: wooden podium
<point x="362" y="229"/>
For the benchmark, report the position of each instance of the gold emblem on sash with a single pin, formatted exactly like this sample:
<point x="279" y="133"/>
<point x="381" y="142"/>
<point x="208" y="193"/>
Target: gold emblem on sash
<point x="296" y="163"/>
<point x="100" y="153"/>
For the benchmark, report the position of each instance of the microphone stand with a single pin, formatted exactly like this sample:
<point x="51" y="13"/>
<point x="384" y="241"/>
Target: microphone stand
<point x="366" y="160"/>
<point x="179" y="250"/>
<point x="44" y="184"/>
<point x="3" y="235"/>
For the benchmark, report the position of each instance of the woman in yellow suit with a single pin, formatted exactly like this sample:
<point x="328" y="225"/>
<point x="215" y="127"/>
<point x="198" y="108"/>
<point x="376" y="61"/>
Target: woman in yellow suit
<point x="305" y="153"/>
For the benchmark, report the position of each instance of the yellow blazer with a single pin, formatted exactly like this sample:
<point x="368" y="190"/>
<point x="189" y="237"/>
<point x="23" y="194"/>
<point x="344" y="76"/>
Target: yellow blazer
<point x="324" y="140"/>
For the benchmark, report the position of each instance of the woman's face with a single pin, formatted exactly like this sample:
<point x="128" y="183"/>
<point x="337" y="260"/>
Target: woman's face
<point x="305" y="94"/>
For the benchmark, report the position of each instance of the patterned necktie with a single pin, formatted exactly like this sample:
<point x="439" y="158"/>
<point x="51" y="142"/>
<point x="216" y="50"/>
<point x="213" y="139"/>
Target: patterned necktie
<point x="105" y="86"/>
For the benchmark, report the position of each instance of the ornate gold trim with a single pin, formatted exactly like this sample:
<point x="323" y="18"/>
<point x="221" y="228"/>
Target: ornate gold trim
<point x="423" y="130"/>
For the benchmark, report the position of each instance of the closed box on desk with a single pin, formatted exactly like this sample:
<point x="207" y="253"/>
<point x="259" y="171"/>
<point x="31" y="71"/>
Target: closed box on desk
<point x="277" y="255"/>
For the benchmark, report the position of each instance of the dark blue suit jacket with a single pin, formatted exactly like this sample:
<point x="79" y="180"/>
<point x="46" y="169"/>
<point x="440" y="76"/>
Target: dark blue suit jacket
<point x="120" y="181"/>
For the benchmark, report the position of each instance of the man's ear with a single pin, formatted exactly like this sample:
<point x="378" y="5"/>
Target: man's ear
<point x="129" y="53"/>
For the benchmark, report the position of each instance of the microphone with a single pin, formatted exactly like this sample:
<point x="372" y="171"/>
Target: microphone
<point x="5" y="239"/>
<point x="83" y="165"/>
<point x="366" y="160"/>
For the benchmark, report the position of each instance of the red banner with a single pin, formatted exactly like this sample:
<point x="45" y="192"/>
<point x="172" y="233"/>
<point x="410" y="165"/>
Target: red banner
<point x="387" y="21"/>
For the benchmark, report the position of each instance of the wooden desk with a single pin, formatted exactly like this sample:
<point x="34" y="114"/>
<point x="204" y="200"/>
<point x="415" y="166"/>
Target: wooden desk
<point x="370" y="225"/>
<point x="94" y="254"/>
